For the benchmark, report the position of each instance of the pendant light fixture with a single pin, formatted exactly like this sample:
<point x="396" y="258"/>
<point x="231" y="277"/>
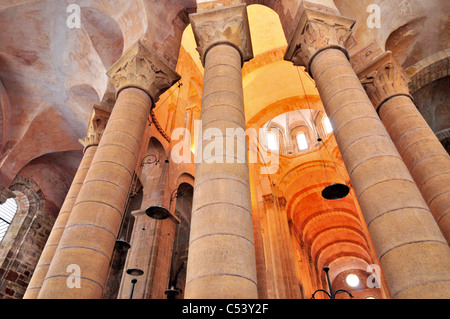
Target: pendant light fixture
<point x="172" y="293"/>
<point x="158" y="211"/>
<point x="332" y="191"/>
<point x="335" y="191"/>
<point x="135" y="270"/>
<point x="331" y="294"/>
<point x="122" y="243"/>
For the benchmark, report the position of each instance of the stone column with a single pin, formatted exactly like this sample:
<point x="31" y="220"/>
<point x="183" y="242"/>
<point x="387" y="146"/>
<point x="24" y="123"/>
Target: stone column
<point x="413" y="253"/>
<point x="221" y="261"/>
<point x="280" y="263"/>
<point x="190" y="114"/>
<point x="97" y="125"/>
<point x="169" y="123"/>
<point x="86" y="246"/>
<point x="386" y="83"/>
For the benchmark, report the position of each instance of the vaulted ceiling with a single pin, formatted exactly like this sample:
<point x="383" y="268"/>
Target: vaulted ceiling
<point x="51" y="76"/>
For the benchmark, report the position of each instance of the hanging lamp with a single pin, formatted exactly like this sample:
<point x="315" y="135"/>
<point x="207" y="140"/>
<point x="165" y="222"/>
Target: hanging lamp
<point x="135" y="270"/>
<point x="333" y="191"/>
<point x="172" y="293"/>
<point x="158" y="211"/>
<point x="122" y="243"/>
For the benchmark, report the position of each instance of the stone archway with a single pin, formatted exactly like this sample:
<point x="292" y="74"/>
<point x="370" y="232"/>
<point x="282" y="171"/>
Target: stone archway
<point x="25" y="238"/>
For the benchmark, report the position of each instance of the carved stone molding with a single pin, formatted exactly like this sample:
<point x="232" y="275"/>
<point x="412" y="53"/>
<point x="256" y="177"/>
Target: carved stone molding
<point x="282" y="201"/>
<point x="5" y="194"/>
<point x="317" y="31"/>
<point x="384" y="79"/>
<point x="223" y="25"/>
<point x="268" y="199"/>
<point x="159" y="127"/>
<point x="97" y="125"/>
<point x="140" y="68"/>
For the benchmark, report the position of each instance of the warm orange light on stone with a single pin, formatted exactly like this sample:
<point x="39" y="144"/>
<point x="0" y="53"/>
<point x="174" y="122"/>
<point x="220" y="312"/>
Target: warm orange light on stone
<point x="428" y="162"/>
<point x="221" y="260"/>
<point x="390" y="200"/>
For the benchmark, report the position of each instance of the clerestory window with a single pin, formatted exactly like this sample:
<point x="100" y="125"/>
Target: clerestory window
<point x="302" y="141"/>
<point x="272" y="142"/>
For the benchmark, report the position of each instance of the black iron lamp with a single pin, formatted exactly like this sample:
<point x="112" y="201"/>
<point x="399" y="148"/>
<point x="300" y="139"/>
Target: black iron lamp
<point x="332" y="294"/>
<point x="334" y="191"/>
<point x="122" y="244"/>
<point x="160" y="212"/>
<point x="172" y="293"/>
<point x="133" y="284"/>
<point x="135" y="270"/>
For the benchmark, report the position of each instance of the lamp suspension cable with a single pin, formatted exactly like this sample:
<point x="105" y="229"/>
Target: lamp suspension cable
<point x="158" y="211"/>
<point x="309" y="105"/>
<point x="334" y="191"/>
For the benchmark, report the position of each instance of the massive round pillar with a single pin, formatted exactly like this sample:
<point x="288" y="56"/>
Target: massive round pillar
<point x="40" y="272"/>
<point x="427" y="160"/>
<point x="414" y="255"/>
<point x="80" y="266"/>
<point x="96" y="127"/>
<point x="221" y="262"/>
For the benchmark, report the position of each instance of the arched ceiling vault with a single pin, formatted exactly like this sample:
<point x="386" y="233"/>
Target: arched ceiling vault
<point x="51" y="77"/>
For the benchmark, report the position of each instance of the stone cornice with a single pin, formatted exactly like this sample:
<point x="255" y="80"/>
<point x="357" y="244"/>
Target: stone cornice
<point x="227" y="24"/>
<point x="97" y="125"/>
<point x="384" y="79"/>
<point x="140" y="68"/>
<point x="317" y="31"/>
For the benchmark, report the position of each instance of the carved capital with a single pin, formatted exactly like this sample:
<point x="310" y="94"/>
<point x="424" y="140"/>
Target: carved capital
<point x="384" y="79"/>
<point x="268" y="199"/>
<point x="97" y="125"/>
<point x="282" y="201"/>
<point x="317" y="31"/>
<point x="140" y="68"/>
<point x="223" y="25"/>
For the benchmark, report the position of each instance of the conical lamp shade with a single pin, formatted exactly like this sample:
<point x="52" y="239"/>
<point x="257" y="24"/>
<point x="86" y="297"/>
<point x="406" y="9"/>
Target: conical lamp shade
<point x="335" y="191"/>
<point x="157" y="212"/>
<point x="135" y="272"/>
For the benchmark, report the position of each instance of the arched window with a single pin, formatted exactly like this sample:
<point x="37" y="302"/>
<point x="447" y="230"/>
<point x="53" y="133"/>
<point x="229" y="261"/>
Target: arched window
<point x="272" y="142"/>
<point x="302" y="141"/>
<point x="7" y="212"/>
<point x="327" y="125"/>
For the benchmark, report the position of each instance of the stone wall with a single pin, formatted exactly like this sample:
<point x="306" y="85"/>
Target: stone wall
<point x="23" y="243"/>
